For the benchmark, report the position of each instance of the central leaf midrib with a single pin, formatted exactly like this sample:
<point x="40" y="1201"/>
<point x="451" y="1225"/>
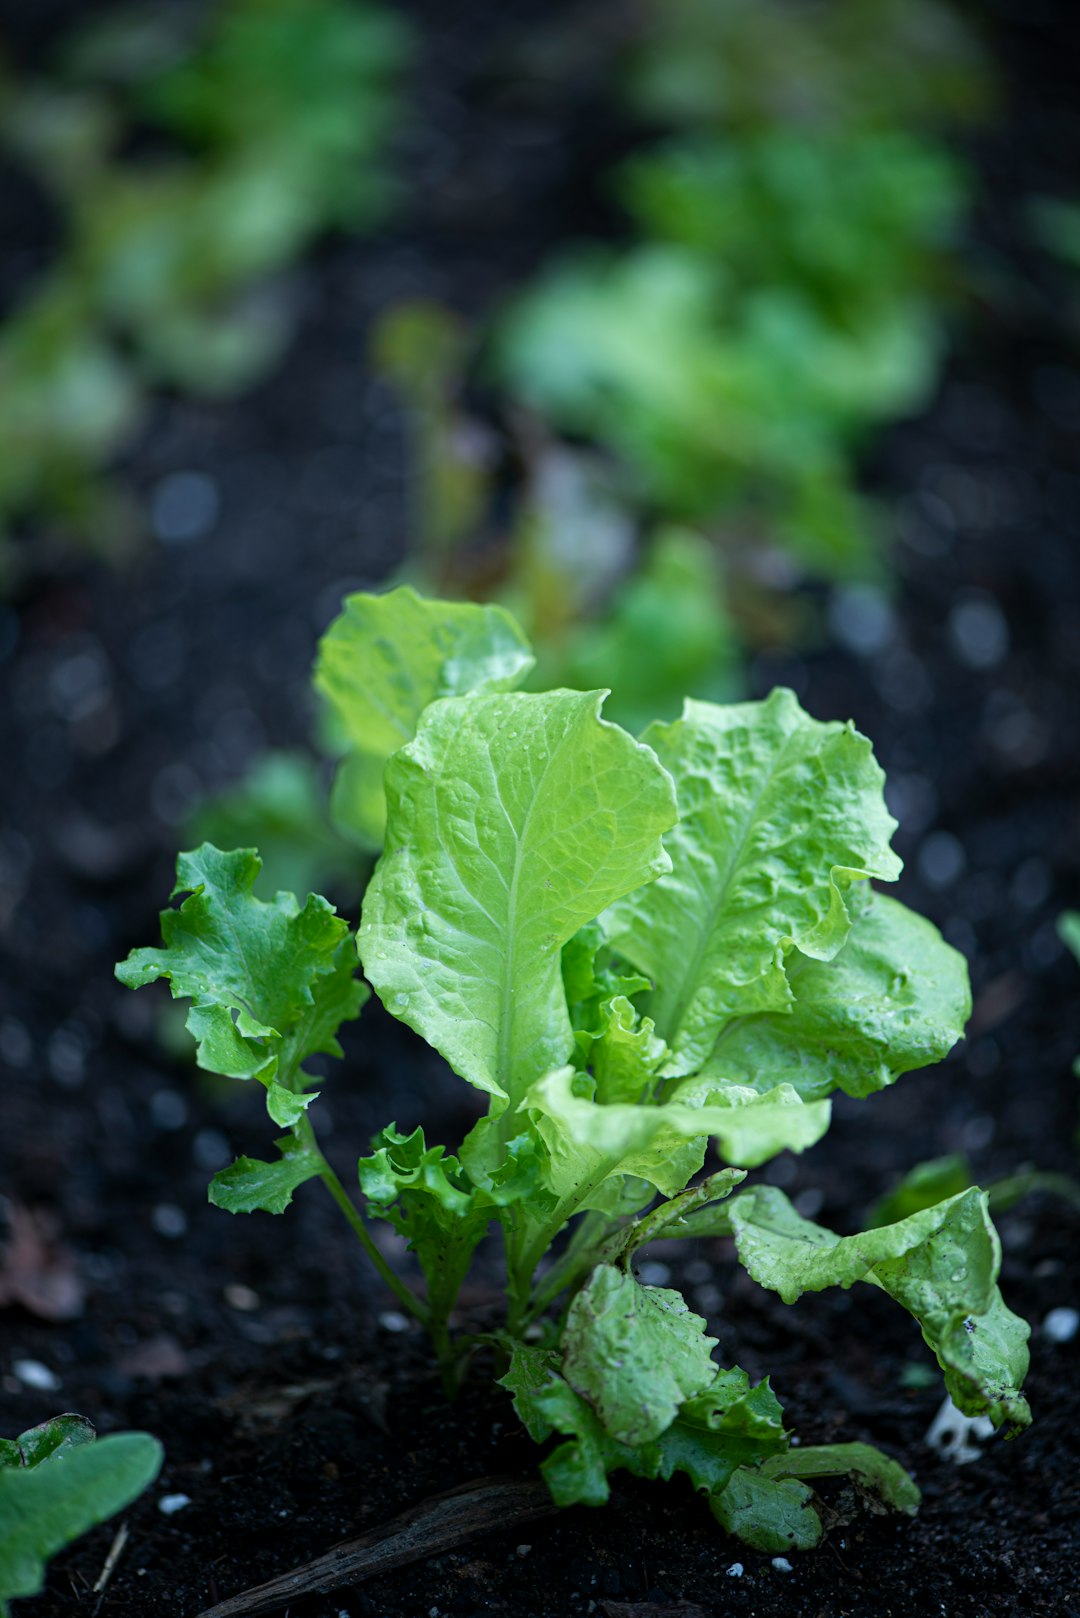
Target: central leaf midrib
<point x="680" y="1000"/>
<point x="506" y="1019"/>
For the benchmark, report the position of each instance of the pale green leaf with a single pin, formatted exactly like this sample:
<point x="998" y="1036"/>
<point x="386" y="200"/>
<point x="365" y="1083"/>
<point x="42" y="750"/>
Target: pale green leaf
<point x="769" y="1514"/>
<point x="622" y="1051"/>
<point x="44" y="1507"/>
<point x="894" y="999"/>
<point x="513" y="820"/>
<point x="269" y="983"/>
<point x="778" y="815"/>
<point x="589" y="978"/>
<point x="664" y="1144"/>
<point x="941" y="1264"/>
<point x="380" y="664"/>
<point x="430" y="1200"/>
<point x="769" y="1508"/>
<point x="726" y="1426"/>
<point x="249" y="1185"/>
<point x="358" y="800"/>
<point x="634" y="1353"/>
<point x="875" y="1471"/>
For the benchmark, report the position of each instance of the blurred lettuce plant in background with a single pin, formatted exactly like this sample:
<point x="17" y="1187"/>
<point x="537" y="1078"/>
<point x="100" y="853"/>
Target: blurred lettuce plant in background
<point x="260" y="125"/>
<point x="845" y="64"/>
<point x="791" y="264"/>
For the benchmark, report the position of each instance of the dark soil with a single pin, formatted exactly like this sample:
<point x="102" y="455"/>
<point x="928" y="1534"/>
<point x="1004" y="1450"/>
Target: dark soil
<point x="264" y="1354"/>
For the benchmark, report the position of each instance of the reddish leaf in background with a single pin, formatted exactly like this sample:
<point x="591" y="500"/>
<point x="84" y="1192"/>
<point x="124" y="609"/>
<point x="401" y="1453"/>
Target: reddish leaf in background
<point x="36" y="1271"/>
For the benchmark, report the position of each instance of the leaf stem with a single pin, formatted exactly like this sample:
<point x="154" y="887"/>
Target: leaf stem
<point x="305" y="1134"/>
<point x="523" y="1257"/>
<point x="1005" y="1192"/>
<point x="404" y="1294"/>
<point x="576" y="1257"/>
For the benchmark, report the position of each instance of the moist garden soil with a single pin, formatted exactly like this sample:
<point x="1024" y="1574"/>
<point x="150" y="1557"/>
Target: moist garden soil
<point x="295" y="1405"/>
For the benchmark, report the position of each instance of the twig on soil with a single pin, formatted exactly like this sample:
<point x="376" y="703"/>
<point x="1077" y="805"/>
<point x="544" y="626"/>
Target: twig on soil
<point x="650" y="1609"/>
<point x="116" y="1550"/>
<point x="434" y="1526"/>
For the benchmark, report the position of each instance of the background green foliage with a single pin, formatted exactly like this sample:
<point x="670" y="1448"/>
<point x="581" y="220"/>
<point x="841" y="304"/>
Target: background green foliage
<point x="268" y="120"/>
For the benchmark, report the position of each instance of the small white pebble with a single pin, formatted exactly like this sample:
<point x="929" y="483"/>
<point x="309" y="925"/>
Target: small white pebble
<point x="809" y="1202"/>
<point x="1061" y="1325"/>
<point x="433" y="1612"/>
<point x="782" y="1565"/>
<point x="523" y="1550"/>
<point x="184" y="507"/>
<point x="393" y="1320"/>
<point x="736" y="1570"/>
<point x="654" y="1274"/>
<point x="171" y="1503"/>
<point x="32" y="1374"/>
<point x="169" y="1220"/>
<point x="240" y="1297"/>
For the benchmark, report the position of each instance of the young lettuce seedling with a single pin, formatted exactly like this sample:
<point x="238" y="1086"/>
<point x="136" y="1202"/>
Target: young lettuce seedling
<point x="56" y="1482"/>
<point x="633" y="948"/>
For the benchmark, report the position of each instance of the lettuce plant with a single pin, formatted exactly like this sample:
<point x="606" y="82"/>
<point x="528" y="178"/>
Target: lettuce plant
<point x="634" y="950"/>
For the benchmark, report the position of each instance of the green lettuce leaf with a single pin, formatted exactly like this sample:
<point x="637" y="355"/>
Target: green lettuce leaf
<point x="635" y="1353"/>
<point x="50" y="1438"/>
<point x="622" y="1051"/>
<point x="44" y="1506"/>
<point x="269" y="983"/>
<point x="430" y="1200"/>
<point x="886" y="1477"/>
<point x="894" y="999"/>
<point x="590" y="978"/>
<point x="941" y="1265"/>
<point x="771" y="1510"/>
<point x="769" y="1514"/>
<point x="380" y="664"/>
<point x="249" y="1185"/>
<point x="664" y="1144"/>
<point x="513" y="820"/>
<point x="778" y="816"/>
<point x="727" y="1425"/>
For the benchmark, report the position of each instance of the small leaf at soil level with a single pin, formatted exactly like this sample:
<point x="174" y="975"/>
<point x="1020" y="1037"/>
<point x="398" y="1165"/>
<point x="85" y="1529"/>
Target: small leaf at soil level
<point x="635" y="1353"/>
<point x="44" y="1506"/>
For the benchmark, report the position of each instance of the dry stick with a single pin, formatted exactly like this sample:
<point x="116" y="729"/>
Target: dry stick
<point x="435" y="1526"/>
<point x="116" y="1550"/>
